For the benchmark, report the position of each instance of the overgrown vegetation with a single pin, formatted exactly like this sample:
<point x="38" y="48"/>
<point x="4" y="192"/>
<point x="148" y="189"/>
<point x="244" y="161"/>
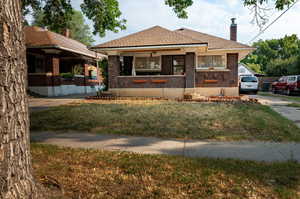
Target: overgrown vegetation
<point x="276" y="57"/>
<point x="102" y="174"/>
<point x="170" y="119"/>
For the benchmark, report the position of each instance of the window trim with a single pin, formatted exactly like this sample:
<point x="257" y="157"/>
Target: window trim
<point x="143" y="55"/>
<point x="214" y="68"/>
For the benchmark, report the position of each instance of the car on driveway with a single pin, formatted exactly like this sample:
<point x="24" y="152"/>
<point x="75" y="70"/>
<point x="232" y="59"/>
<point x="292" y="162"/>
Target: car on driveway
<point x="287" y="85"/>
<point x="248" y="84"/>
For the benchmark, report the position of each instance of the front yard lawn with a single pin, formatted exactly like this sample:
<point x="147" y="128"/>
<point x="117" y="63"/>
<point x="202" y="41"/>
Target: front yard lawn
<point x="77" y="173"/>
<point x="169" y="119"/>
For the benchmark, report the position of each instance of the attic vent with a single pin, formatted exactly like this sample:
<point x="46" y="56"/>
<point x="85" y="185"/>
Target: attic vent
<point x="181" y="29"/>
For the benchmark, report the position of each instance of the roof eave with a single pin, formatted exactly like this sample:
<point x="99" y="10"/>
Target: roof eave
<point x="169" y="46"/>
<point x="231" y="49"/>
<point x="66" y="49"/>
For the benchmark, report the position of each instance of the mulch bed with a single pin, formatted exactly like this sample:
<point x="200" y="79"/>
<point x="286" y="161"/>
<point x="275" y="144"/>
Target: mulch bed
<point x="227" y="99"/>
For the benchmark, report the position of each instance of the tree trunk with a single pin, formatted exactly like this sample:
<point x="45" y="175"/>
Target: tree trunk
<point x="16" y="179"/>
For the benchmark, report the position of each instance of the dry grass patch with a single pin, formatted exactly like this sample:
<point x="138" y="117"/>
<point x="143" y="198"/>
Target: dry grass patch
<point x="169" y="119"/>
<point x="95" y="174"/>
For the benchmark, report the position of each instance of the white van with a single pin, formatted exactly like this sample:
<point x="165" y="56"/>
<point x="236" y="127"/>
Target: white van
<point x="248" y="84"/>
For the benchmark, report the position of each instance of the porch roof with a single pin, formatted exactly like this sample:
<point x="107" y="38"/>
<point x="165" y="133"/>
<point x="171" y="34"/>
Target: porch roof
<point x="37" y="37"/>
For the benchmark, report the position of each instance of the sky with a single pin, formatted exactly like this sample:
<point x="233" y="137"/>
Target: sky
<point x="208" y="16"/>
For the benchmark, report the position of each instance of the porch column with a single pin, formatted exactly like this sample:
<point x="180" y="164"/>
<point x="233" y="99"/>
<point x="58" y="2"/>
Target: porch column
<point x="113" y="71"/>
<point x="86" y="73"/>
<point x="190" y="70"/>
<point x="52" y="66"/>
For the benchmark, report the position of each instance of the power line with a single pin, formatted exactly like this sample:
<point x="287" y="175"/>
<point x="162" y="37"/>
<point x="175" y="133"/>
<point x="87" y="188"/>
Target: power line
<point x="262" y="31"/>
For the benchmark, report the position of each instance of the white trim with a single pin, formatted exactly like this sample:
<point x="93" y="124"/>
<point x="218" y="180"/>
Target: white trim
<point x="78" y="52"/>
<point x="68" y="49"/>
<point x="143" y="55"/>
<point x="212" y="70"/>
<point x="222" y="49"/>
<point x="154" y="76"/>
<point x="215" y="68"/>
<point x="151" y="47"/>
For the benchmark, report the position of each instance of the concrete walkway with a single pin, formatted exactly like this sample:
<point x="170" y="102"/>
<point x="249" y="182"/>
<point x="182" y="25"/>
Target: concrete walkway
<point x="280" y="106"/>
<point x="259" y="151"/>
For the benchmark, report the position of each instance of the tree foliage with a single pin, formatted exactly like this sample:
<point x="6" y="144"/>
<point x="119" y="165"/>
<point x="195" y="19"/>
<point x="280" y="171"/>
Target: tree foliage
<point x="179" y="6"/>
<point x="276" y="56"/>
<point x="78" y="29"/>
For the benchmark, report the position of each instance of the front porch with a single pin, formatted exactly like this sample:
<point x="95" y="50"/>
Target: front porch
<point x="170" y="75"/>
<point x="59" y="73"/>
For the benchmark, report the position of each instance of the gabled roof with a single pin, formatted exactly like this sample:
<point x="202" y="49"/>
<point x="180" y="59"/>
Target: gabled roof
<point x="37" y="37"/>
<point x="155" y="36"/>
<point x="213" y="41"/>
<point x="158" y="36"/>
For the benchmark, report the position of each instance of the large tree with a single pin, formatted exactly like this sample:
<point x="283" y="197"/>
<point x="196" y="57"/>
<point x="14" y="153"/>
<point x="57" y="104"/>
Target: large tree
<point x="79" y="30"/>
<point x="16" y="179"/>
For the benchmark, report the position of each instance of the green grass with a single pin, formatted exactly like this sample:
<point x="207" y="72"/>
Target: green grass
<point x="168" y="119"/>
<point x="284" y="97"/>
<point x="296" y="105"/>
<point x="78" y="173"/>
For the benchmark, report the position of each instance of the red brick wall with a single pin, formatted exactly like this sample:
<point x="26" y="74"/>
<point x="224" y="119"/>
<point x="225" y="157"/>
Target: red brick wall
<point x="151" y="82"/>
<point x="221" y="78"/>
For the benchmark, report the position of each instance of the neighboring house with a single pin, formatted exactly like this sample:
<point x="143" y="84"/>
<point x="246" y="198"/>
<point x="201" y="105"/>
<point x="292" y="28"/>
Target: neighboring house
<point x="244" y="70"/>
<point x="59" y="65"/>
<point x="163" y="63"/>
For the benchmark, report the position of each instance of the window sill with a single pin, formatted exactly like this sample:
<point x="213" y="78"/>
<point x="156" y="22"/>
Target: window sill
<point x="152" y="76"/>
<point x="212" y="70"/>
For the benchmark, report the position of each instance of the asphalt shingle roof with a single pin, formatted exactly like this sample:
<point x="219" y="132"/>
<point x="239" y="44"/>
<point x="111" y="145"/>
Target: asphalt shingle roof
<point x="157" y="35"/>
<point x="213" y="41"/>
<point x="39" y="37"/>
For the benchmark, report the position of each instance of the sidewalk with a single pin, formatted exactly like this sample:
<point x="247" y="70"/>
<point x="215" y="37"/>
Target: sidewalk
<point x="244" y="150"/>
<point x="280" y="106"/>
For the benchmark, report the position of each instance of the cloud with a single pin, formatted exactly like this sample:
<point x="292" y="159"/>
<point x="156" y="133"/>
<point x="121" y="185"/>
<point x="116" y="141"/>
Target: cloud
<point x="209" y="16"/>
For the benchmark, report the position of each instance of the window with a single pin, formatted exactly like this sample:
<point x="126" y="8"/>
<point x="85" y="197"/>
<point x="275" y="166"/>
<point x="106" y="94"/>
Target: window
<point x="35" y="64"/>
<point x="147" y="64"/>
<point x="249" y="79"/>
<point x="292" y="79"/>
<point x="178" y="65"/>
<point x="211" y="61"/>
<point x="39" y="65"/>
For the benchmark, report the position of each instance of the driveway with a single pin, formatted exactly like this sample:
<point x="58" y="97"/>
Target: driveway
<point x="280" y="106"/>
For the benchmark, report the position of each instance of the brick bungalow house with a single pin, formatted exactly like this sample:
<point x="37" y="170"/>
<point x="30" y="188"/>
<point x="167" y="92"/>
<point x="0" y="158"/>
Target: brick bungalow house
<point x="164" y="63"/>
<point x="59" y="65"/>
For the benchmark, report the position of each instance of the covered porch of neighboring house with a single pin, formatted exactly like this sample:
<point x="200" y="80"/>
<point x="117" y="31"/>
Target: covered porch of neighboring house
<point x="53" y="72"/>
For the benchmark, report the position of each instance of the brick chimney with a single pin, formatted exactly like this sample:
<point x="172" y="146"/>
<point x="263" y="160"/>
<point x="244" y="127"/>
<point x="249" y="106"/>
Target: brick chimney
<point x="233" y="30"/>
<point x="66" y="32"/>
